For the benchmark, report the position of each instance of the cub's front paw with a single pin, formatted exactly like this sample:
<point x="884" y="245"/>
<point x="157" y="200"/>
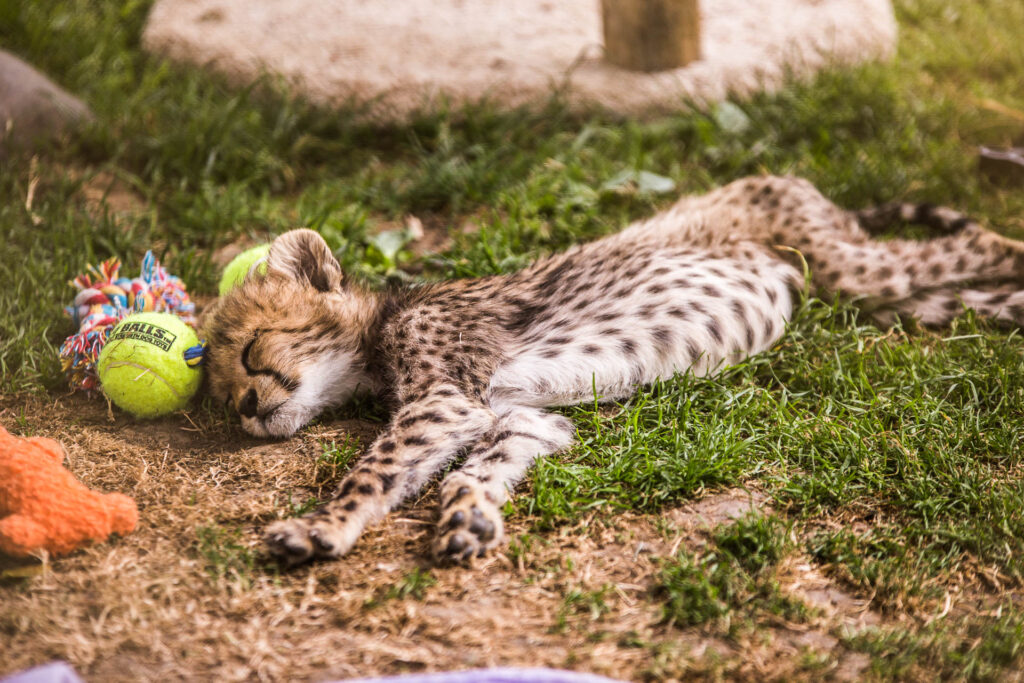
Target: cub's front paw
<point x="470" y="524"/>
<point x="301" y="539"/>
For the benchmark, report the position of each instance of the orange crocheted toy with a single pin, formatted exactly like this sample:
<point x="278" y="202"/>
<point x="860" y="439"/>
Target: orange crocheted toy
<point x="43" y="506"/>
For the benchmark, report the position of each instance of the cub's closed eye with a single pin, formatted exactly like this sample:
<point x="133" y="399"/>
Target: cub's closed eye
<point x="245" y="356"/>
<point x="286" y="382"/>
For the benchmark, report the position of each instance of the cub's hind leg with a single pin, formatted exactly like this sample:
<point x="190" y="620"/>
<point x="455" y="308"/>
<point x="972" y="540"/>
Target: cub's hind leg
<point x="470" y="520"/>
<point x="887" y="272"/>
<point x="931" y="281"/>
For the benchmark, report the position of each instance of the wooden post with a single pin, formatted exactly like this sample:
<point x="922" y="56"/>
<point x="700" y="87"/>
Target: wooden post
<point x="651" y="35"/>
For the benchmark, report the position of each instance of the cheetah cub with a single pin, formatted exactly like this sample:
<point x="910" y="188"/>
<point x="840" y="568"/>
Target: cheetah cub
<point x="471" y="366"/>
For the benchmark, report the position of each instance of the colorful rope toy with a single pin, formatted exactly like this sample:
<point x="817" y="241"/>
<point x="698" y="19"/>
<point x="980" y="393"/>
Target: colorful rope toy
<point x="104" y="299"/>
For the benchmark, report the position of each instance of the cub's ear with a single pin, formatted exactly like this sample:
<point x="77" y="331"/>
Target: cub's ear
<point x="304" y="256"/>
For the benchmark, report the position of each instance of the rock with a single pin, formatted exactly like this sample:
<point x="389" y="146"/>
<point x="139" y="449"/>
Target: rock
<point x="33" y="109"/>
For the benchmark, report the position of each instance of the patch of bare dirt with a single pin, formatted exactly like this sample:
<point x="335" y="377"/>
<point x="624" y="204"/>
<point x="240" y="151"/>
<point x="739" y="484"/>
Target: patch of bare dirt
<point x="719" y="508"/>
<point x="104" y="191"/>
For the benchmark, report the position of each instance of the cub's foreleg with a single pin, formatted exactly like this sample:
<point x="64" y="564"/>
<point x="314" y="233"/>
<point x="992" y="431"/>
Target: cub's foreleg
<point x="422" y="437"/>
<point x="470" y="520"/>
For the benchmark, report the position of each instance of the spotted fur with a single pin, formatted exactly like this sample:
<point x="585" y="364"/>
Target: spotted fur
<point x="472" y="366"/>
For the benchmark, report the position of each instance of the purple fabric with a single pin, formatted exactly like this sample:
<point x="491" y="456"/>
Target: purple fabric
<point x="493" y="676"/>
<point x="54" y="672"/>
<point x="60" y="672"/>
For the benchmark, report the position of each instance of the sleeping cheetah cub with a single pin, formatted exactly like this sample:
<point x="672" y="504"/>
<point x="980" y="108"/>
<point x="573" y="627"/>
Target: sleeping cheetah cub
<point x="472" y="365"/>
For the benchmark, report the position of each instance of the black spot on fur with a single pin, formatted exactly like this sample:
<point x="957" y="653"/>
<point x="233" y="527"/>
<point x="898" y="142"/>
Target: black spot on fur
<point x="923" y="213"/>
<point x="581" y="304"/>
<point x="429" y="416"/>
<point x="715" y="330"/>
<point x="662" y="335"/>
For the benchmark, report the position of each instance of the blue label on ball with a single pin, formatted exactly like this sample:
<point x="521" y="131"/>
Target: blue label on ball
<point x="145" y="332"/>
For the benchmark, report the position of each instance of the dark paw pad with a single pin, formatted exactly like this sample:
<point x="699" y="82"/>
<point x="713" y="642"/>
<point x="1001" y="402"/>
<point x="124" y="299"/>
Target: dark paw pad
<point x="294" y="541"/>
<point x="289" y="543"/>
<point x="470" y="525"/>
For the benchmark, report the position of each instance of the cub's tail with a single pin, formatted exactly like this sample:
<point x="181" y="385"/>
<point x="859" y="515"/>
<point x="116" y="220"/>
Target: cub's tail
<point x="940" y="219"/>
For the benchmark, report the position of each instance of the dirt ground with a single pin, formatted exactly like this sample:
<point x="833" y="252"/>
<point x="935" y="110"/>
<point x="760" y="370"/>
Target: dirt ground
<point x="188" y="595"/>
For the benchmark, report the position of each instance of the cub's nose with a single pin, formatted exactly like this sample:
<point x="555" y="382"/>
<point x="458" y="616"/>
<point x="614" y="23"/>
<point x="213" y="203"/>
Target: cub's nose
<point x="249" y="403"/>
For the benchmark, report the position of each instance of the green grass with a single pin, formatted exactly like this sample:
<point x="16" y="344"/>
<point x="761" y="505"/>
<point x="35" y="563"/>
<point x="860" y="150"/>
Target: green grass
<point x="910" y="442"/>
<point x="977" y="648"/>
<point x="730" y="579"/>
<point x="227" y="560"/>
<point x="590" y="604"/>
<point x="413" y="585"/>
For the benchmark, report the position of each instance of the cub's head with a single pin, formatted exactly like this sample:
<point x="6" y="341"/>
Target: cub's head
<point x="284" y="345"/>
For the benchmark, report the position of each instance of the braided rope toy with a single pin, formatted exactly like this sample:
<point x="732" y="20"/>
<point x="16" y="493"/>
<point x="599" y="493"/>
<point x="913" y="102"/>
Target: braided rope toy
<point x="104" y="299"/>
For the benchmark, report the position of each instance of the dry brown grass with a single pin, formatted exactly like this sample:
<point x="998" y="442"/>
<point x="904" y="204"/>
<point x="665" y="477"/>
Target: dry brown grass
<point x="150" y="606"/>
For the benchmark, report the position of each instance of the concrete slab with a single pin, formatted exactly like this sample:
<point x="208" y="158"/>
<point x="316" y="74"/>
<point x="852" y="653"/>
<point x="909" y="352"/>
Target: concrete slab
<point x="401" y="56"/>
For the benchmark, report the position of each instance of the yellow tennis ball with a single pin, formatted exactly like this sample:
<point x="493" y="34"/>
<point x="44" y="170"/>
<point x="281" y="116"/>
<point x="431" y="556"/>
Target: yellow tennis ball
<point x="142" y="366"/>
<point x="239" y="267"/>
